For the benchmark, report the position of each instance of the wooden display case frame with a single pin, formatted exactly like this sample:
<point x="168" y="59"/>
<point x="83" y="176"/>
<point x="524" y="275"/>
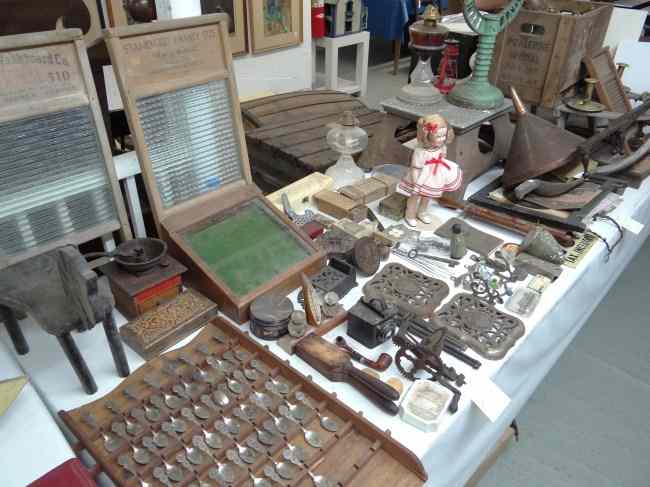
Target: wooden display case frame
<point x="53" y="91"/>
<point x="138" y="75"/>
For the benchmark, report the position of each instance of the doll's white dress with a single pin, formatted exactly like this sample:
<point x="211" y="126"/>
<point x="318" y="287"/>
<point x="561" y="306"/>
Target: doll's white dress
<point x="438" y="175"/>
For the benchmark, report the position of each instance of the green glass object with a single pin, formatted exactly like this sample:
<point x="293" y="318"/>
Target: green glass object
<point x="477" y="92"/>
<point x="247" y="248"/>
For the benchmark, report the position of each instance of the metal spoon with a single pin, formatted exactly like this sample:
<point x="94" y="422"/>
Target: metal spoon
<point x="277" y="387"/>
<point x="133" y="428"/>
<point x="221" y="397"/>
<point x="246" y="412"/>
<point x="283" y="469"/>
<point x="258" y="481"/>
<point x="177" y="424"/>
<point x="255" y="444"/>
<point x="151" y="413"/>
<point x="281" y="424"/>
<point x="233" y="456"/>
<point x="194" y="455"/>
<point x="160" y="439"/>
<point x="270" y="472"/>
<point x="212" y="439"/>
<point x="312" y="438"/>
<point x="227" y="426"/>
<point x="172" y="401"/>
<point x="294" y="454"/>
<point x="266" y="437"/>
<point x="319" y="480"/>
<point x="140" y="455"/>
<point x="261" y="399"/>
<point x="251" y="374"/>
<point x="219" y="365"/>
<point x="120" y="430"/>
<point x="326" y="422"/>
<point x="222" y="473"/>
<point x="159" y="474"/>
<point x="247" y="454"/>
<point x="172" y="471"/>
<point x="297" y="411"/>
<point x="111" y="443"/>
<point x="259" y="366"/>
<point x="230" y="357"/>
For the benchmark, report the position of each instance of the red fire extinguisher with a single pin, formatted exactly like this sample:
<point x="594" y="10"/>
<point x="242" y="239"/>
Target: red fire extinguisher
<point x="317" y="18"/>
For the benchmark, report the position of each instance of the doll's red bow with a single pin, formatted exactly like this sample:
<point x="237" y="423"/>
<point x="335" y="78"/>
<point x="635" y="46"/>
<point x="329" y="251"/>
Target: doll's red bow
<point x="436" y="161"/>
<point x="431" y="127"/>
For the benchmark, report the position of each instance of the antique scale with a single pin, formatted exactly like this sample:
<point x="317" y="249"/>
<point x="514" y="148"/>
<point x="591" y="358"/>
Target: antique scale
<point x="477" y="92"/>
<point x="177" y="82"/>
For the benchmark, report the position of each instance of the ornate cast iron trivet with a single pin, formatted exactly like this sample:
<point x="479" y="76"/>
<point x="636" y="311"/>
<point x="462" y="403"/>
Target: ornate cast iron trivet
<point x="410" y="290"/>
<point x="337" y="276"/>
<point x="485" y="329"/>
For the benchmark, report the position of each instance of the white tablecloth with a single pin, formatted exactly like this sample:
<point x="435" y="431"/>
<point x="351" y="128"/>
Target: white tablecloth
<point x="31" y="444"/>
<point x="452" y="454"/>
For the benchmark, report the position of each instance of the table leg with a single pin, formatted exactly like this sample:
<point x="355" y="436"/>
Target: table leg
<point x="397" y="50"/>
<point x="78" y="363"/>
<point x="117" y="348"/>
<point x="362" y="69"/>
<point x="332" y="68"/>
<point x="13" y="328"/>
<point x="135" y="210"/>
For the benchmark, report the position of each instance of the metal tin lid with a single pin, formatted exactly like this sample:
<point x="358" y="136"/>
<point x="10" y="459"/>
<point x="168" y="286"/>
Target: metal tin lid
<point x="271" y="309"/>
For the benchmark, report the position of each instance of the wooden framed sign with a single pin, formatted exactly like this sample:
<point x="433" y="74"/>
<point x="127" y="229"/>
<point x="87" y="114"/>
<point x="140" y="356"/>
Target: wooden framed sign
<point x="57" y="178"/>
<point x="236" y="24"/>
<point x="274" y="24"/>
<point x="176" y="79"/>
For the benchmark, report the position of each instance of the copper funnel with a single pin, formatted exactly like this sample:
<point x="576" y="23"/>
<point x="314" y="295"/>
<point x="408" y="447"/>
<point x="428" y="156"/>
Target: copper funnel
<point x="537" y="147"/>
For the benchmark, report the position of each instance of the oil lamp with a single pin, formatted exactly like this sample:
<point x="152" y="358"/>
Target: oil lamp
<point x="346" y="138"/>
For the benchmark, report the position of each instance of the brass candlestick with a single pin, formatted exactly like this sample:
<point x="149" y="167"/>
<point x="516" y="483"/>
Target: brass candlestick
<point x="587" y="104"/>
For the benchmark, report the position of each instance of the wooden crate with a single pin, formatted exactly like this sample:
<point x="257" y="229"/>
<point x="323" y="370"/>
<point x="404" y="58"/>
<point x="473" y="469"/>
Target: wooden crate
<point x="540" y="52"/>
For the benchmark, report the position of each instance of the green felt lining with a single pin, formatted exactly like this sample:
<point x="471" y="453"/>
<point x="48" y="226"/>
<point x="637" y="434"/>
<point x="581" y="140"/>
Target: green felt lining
<point x="247" y="249"/>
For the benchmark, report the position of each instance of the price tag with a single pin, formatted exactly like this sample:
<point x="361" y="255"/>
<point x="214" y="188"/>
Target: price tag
<point x="632" y="225"/>
<point x="487" y="396"/>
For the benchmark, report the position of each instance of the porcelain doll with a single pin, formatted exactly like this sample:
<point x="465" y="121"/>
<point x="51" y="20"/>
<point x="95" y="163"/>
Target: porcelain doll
<point x="430" y="174"/>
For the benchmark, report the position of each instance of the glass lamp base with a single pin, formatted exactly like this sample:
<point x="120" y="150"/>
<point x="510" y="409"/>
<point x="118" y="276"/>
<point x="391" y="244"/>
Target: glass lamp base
<point x="344" y="171"/>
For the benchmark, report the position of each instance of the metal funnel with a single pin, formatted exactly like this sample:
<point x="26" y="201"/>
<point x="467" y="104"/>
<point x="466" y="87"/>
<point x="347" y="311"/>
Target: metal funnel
<point x="537" y="147"/>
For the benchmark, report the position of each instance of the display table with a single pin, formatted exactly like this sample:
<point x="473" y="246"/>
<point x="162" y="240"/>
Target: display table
<point x="452" y="454"/>
<point x="31" y="444"/>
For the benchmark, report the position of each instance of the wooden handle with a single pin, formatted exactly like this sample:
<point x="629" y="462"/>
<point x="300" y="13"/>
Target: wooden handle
<point x="517" y="225"/>
<point x="374" y="389"/>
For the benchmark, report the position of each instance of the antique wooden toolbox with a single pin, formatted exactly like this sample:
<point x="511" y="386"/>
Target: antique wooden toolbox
<point x="214" y="413"/>
<point x="540" y="53"/>
<point x="57" y="178"/>
<point x="286" y="135"/>
<point x="177" y="82"/>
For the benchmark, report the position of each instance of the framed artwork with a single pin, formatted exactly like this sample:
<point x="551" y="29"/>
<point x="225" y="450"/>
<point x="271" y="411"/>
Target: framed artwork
<point x="237" y="24"/>
<point x="129" y="12"/>
<point x="274" y="24"/>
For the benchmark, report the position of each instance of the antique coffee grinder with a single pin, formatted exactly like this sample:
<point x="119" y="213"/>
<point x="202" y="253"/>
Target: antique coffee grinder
<point x="426" y="37"/>
<point x="477" y="92"/>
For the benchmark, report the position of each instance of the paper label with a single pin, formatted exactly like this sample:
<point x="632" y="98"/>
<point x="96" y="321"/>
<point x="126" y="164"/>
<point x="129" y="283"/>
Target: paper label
<point x="632" y="225"/>
<point x="539" y="283"/>
<point x="487" y="396"/>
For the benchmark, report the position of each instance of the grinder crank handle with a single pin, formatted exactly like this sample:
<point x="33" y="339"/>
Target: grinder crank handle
<point x="374" y="389"/>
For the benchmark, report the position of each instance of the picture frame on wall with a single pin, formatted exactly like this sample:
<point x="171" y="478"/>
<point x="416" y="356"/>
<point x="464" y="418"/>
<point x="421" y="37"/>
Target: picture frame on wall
<point x="128" y="12"/>
<point x="237" y="25"/>
<point x="274" y="24"/>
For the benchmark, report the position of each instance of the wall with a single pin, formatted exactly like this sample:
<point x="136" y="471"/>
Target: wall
<point x="277" y="71"/>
